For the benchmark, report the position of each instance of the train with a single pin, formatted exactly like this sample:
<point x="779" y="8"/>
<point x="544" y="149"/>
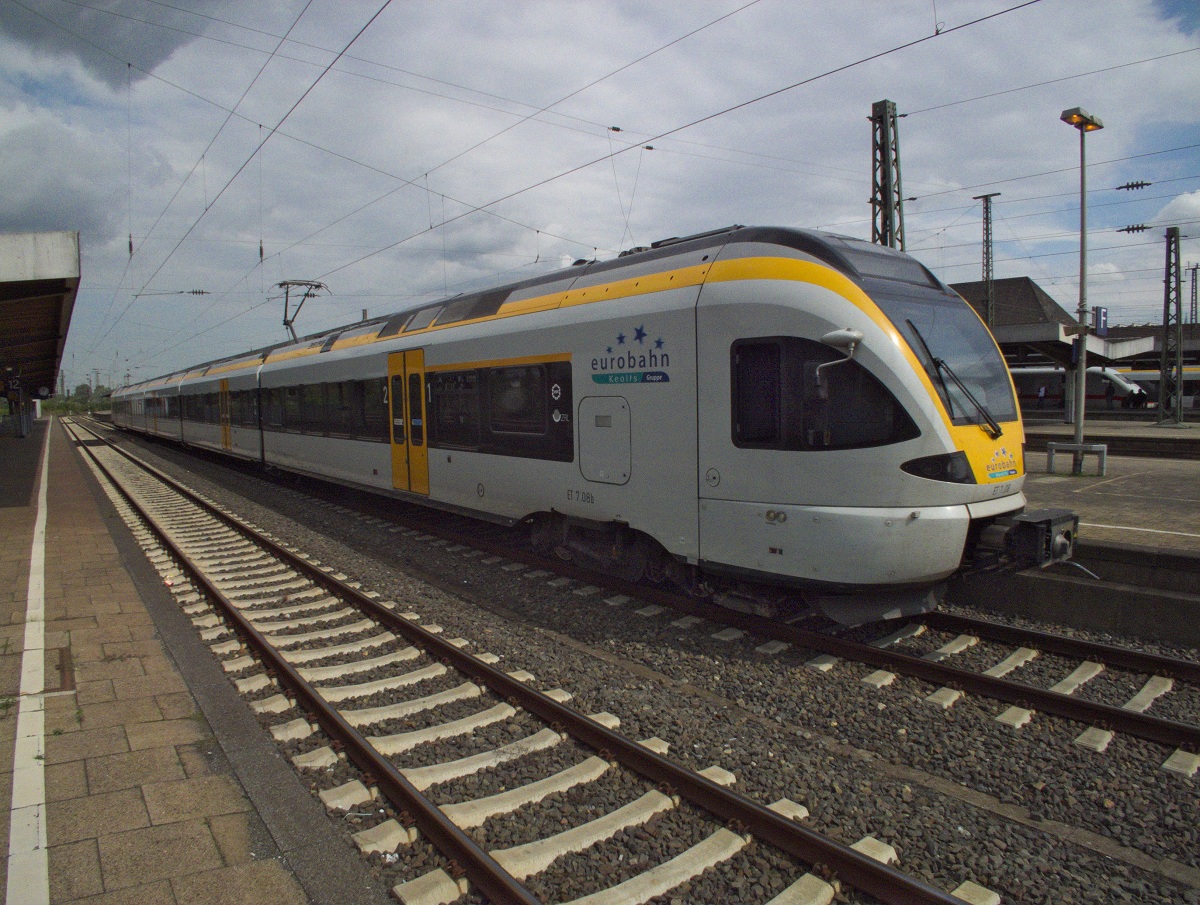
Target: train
<point x="1131" y="388"/>
<point x="776" y="418"/>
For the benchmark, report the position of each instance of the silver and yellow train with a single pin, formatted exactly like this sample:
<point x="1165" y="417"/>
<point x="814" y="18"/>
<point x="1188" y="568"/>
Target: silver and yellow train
<point x="743" y="409"/>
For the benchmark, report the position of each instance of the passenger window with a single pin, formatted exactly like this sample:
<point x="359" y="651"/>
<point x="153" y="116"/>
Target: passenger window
<point x="375" y="410"/>
<point x="454" y="409"/>
<point x="517" y="400"/>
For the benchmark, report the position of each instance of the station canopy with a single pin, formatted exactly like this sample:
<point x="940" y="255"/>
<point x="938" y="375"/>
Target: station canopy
<point x="39" y="279"/>
<point x="1032" y="328"/>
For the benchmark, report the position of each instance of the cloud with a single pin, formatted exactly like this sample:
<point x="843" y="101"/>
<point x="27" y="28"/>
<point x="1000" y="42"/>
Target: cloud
<point x="104" y="36"/>
<point x="412" y="168"/>
<point x="1181" y="209"/>
<point x="64" y="184"/>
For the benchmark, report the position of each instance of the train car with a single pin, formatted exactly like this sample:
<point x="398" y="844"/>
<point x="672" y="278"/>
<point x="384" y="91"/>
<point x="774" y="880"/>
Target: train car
<point x="747" y="409"/>
<point x="1056" y="381"/>
<point x="219" y="405"/>
<point x="325" y="409"/>
<point x="151" y="407"/>
<point x="1148" y="381"/>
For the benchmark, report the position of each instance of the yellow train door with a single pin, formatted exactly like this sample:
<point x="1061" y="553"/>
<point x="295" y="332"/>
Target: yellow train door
<point x="406" y="398"/>
<point x="226" y="427"/>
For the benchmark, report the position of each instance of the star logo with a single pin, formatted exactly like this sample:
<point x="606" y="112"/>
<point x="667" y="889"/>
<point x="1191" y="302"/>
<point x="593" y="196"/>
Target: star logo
<point x="640" y="335"/>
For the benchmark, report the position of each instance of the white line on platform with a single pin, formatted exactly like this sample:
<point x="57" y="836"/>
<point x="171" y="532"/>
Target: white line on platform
<point x="1146" y="530"/>
<point x="28" y="864"/>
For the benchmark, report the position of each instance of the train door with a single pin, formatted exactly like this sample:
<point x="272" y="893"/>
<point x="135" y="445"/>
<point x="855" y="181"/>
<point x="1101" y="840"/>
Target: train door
<point x="226" y="426"/>
<point x="406" y="397"/>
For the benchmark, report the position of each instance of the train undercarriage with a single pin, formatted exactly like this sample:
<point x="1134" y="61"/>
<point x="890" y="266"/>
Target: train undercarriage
<point x="1035" y="538"/>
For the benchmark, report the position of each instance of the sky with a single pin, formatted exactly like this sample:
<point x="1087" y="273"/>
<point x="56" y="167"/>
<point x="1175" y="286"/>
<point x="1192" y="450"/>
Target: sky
<point x="398" y="152"/>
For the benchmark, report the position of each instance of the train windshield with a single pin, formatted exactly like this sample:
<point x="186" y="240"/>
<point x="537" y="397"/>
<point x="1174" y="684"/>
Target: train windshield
<point x="957" y="352"/>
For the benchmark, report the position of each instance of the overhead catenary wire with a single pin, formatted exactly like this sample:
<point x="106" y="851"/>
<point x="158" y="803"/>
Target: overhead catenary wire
<point x="491" y="213"/>
<point x="443" y="197"/>
<point x="681" y="128"/>
<point x="707" y="118"/>
<point x="523" y="119"/>
<point x="245" y="164"/>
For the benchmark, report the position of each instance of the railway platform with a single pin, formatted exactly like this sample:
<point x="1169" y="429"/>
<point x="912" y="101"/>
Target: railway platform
<point x="1139" y="535"/>
<point x="1123" y="436"/>
<point x="134" y="771"/>
<point x="1144" y="500"/>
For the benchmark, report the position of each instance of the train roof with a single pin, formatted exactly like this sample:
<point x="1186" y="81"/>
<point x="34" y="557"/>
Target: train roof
<point x="856" y="258"/>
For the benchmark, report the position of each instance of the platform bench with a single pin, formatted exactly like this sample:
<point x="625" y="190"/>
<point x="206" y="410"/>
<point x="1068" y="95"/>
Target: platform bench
<point x="1099" y="450"/>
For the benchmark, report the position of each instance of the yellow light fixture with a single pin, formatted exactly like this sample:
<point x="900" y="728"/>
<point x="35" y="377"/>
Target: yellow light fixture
<point x="1081" y="120"/>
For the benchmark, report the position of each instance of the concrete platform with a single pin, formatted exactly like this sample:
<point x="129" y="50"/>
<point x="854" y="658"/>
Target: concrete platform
<point x="1139" y="531"/>
<point x="1125" y="435"/>
<point x="135" y="772"/>
<point x="1141" y="501"/>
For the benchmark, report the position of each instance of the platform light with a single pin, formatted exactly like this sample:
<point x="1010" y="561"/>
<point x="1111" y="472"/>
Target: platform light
<point x="1085" y="123"/>
<point x="1081" y="120"/>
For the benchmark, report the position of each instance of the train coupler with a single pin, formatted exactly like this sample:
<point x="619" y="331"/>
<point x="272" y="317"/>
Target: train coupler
<point x="1035" y="537"/>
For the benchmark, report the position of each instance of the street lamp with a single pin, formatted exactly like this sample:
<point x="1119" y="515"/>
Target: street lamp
<point x="1085" y="123"/>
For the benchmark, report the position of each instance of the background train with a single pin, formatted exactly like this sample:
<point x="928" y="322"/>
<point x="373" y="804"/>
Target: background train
<point x="743" y="409"/>
<point x="1131" y="388"/>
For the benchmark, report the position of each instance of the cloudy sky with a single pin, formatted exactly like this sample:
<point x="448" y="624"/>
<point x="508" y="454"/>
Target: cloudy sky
<point x="406" y="150"/>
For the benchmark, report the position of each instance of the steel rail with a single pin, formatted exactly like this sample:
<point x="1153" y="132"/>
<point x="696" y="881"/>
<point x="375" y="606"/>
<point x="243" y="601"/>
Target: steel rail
<point x="1109" y="655"/>
<point x="481" y="869"/>
<point x="1141" y="725"/>
<point x="860" y="871"/>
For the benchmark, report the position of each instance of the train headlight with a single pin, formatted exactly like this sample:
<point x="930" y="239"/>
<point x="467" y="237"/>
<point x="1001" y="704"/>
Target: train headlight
<point x="951" y="467"/>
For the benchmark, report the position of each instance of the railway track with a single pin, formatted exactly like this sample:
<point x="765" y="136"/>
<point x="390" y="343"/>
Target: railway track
<point x="343" y="679"/>
<point x="890" y="655"/>
<point x="934" y="666"/>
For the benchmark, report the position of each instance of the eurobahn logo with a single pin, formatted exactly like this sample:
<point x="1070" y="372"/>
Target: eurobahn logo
<point x="1003" y="465"/>
<point x="623" y="362"/>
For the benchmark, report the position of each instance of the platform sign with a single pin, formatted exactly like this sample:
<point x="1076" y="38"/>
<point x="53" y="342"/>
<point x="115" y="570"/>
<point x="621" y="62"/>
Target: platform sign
<point x="1100" y="321"/>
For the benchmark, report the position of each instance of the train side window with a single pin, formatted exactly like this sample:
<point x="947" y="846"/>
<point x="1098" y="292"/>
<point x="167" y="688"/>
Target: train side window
<point x="272" y="403"/>
<point x="338" y="418"/>
<point x="374" y="403"/>
<point x="454" y="409"/>
<point x="517" y="400"/>
<point x="312" y="408"/>
<point x="292" y="420"/>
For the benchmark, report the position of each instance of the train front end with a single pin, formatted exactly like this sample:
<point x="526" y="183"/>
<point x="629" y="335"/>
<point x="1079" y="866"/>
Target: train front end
<point x="892" y="454"/>
<point x="974" y="434"/>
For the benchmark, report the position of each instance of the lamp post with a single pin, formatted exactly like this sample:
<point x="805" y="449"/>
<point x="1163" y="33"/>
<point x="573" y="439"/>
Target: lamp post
<point x="1085" y="123"/>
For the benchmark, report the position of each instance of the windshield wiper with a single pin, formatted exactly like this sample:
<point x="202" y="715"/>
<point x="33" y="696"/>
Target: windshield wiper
<point x="941" y="366"/>
<point x="993" y="426"/>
